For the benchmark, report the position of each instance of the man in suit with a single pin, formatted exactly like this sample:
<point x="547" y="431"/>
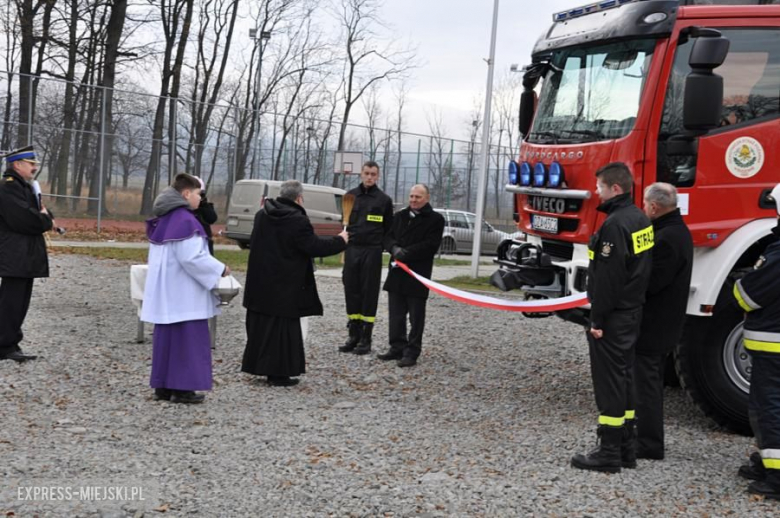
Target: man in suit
<point x="413" y="239"/>
<point x="663" y="314"/>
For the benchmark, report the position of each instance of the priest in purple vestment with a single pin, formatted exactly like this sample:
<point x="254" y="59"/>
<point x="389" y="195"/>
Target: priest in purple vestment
<point x="177" y="297"/>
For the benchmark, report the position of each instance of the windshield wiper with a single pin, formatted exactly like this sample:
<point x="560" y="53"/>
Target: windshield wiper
<point x="545" y="134"/>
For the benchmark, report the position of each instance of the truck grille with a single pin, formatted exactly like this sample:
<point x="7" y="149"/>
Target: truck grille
<point x="558" y="249"/>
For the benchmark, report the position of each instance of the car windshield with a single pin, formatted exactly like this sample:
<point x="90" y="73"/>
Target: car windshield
<point x="592" y="93"/>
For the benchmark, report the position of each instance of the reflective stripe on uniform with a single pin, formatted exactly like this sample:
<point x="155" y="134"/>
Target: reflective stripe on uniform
<point x="643" y="240"/>
<point x="611" y="421"/>
<point x="766" y="347"/>
<point x="591" y="254"/>
<point x="630" y="414"/>
<point x="362" y="317"/>
<point x="375" y="218"/>
<point x="771" y="458"/>
<point x="744" y="301"/>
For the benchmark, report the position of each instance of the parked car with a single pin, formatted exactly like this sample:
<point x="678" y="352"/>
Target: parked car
<point x="459" y="233"/>
<point x="322" y="204"/>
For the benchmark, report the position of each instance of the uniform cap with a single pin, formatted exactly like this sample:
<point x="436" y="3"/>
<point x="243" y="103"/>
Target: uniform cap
<point x="26" y="153"/>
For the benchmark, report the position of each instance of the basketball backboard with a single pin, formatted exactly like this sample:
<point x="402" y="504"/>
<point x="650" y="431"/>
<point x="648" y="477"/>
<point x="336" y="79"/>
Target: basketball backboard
<point x="346" y="162"/>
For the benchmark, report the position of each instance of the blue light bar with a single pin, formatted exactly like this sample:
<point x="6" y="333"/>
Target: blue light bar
<point x="555" y="176"/>
<point x="525" y="174"/>
<point x="590" y="8"/>
<point x="513" y="173"/>
<point x="540" y="175"/>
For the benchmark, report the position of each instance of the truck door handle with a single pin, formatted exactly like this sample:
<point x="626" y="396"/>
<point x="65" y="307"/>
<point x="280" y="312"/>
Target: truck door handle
<point x="328" y="219"/>
<point x="246" y="210"/>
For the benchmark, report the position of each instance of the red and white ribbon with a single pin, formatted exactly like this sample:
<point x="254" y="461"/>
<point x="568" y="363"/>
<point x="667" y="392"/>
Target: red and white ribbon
<point x="526" y="306"/>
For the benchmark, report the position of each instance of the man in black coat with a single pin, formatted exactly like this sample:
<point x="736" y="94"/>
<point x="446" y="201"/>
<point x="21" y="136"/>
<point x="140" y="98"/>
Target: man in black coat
<point x="22" y="248"/>
<point x="280" y="286"/>
<point x="413" y="239"/>
<point x="663" y="314"/>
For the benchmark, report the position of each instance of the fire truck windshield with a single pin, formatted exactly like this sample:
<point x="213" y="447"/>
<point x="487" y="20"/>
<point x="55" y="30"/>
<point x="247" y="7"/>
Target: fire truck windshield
<point x="592" y="93"/>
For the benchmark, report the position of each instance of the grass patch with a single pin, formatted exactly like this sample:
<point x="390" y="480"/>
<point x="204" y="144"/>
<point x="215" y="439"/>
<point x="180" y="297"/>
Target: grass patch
<point x="236" y="259"/>
<point x="466" y="282"/>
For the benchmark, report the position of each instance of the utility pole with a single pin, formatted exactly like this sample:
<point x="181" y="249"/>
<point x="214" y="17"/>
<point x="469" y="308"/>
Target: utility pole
<point x="484" y="158"/>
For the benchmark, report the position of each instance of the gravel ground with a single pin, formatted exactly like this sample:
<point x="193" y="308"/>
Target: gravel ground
<point x="485" y="425"/>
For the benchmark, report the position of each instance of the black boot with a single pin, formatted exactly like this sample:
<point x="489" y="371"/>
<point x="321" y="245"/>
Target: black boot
<point x="364" y="346"/>
<point x="354" y="336"/>
<point x="754" y="469"/>
<point x="768" y="488"/>
<point x="628" y="445"/>
<point x="606" y="456"/>
<point x="392" y="354"/>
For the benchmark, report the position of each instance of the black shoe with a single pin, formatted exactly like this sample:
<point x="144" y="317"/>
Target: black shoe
<point x="754" y="469"/>
<point x="606" y="456"/>
<point x="765" y="489"/>
<point x="162" y="394"/>
<point x="18" y="356"/>
<point x="649" y="454"/>
<point x="187" y="397"/>
<point x="282" y="381"/>
<point x="390" y="355"/>
<point x="407" y="361"/>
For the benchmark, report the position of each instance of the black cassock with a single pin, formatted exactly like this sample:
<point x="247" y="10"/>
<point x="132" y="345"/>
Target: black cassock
<point x="280" y="288"/>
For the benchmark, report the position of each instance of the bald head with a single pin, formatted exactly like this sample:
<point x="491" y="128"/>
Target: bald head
<point x="660" y="199"/>
<point x="419" y="195"/>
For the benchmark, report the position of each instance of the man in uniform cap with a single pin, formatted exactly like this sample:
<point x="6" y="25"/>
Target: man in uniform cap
<point x="22" y="248"/>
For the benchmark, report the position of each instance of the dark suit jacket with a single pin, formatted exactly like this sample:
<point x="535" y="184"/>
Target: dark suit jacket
<point x="420" y="236"/>
<point x="663" y="314"/>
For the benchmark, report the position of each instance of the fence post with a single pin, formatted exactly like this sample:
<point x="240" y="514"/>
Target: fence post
<point x="102" y="158"/>
<point x="417" y="174"/>
<point x="449" y="180"/>
<point x="29" y="112"/>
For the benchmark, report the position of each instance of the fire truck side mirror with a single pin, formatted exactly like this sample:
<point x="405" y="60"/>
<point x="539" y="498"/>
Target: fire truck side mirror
<point x="527" y="109"/>
<point x="703" y="88"/>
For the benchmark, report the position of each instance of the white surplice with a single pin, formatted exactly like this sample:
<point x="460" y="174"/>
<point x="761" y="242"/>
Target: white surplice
<point x="179" y="283"/>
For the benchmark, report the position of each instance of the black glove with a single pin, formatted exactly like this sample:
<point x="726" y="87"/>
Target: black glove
<point x="400" y="253"/>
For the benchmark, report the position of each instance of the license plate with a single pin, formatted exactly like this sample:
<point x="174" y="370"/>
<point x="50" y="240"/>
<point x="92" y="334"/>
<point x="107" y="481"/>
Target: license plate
<point x="232" y="222"/>
<point x="544" y="224"/>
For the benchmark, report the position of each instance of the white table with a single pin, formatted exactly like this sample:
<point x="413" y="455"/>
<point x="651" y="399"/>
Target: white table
<point x="137" y="285"/>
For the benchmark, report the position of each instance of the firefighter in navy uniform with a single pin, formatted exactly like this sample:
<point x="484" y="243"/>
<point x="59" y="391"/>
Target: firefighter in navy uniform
<point x="370" y="220"/>
<point x="758" y="293"/>
<point x="618" y="275"/>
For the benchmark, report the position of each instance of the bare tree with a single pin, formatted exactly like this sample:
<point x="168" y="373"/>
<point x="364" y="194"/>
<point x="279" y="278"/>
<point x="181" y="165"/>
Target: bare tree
<point x="368" y="60"/>
<point x="176" y="20"/>
<point x="218" y="19"/>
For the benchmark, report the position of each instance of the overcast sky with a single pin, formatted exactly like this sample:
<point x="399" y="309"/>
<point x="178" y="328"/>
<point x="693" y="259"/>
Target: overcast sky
<point x="453" y="38"/>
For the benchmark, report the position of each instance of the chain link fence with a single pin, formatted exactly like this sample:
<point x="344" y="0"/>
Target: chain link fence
<point x="105" y="154"/>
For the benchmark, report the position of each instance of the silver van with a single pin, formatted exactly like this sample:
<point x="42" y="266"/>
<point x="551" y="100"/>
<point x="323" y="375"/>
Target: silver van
<point x="322" y="204"/>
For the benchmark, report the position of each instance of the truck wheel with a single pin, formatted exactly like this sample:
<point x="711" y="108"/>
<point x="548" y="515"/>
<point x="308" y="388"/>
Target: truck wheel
<point x="447" y="246"/>
<point x="714" y="367"/>
<point x="243" y="245"/>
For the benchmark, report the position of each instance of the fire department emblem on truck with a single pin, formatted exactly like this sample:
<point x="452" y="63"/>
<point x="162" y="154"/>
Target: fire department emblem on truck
<point x="745" y="157"/>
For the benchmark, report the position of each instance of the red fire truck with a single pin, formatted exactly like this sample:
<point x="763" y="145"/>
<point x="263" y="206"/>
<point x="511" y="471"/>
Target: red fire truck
<point x="682" y="92"/>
